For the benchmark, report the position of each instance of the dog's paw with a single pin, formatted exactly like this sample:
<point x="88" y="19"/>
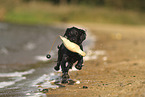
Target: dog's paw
<point x="79" y="67"/>
<point x="56" y="68"/>
<point x="64" y="81"/>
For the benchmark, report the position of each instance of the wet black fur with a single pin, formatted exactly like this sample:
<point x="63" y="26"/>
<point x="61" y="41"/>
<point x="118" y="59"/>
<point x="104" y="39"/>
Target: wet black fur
<point x="65" y="56"/>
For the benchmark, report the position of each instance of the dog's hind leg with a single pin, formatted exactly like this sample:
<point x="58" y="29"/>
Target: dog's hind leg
<point x="65" y="75"/>
<point x="63" y="64"/>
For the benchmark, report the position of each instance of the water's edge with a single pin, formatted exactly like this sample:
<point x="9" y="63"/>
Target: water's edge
<point x="40" y="76"/>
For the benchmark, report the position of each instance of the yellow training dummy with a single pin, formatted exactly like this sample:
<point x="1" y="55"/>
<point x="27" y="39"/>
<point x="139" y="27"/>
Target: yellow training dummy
<point x="72" y="46"/>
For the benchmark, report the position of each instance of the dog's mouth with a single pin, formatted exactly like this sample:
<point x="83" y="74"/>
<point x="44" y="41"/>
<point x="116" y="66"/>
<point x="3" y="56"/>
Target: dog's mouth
<point x="72" y="46"/>
<point x="72" y="40"/>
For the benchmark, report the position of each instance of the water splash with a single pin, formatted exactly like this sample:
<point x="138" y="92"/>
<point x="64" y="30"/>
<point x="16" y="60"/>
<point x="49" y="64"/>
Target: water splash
<point x="15" y="77"/>
<point x="17" y="74"/>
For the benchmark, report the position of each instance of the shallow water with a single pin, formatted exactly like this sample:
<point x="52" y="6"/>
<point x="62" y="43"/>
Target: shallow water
<point x="21" y="49"/>
<point x="21" y="43"/>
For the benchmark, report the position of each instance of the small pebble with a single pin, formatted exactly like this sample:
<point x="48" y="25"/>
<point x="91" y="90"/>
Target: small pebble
<point x="77" y="82"/>
<point x="135" y="63"/>
<point x="45" y="90"/>
<point x="85" y="87"/>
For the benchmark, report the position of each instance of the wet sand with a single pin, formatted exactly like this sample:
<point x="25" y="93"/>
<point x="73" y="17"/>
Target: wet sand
<point x="120" y="72"/>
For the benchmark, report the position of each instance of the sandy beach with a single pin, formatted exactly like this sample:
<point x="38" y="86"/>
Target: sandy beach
<point x="118" y="72"/>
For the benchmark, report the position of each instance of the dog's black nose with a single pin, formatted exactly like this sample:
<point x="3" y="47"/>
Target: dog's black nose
<point x="73" y="40"/>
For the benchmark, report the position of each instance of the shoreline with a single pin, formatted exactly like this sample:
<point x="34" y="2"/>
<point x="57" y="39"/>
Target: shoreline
<point x="118" y="72"/>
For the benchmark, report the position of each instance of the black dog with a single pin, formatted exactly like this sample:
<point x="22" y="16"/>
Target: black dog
<point x="65" y="56"/>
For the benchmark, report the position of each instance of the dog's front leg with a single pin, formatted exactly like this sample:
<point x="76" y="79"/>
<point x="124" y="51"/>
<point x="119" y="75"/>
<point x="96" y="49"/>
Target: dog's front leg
<point x="69" y="66"/>
<point x="80" y="60"/>
<point x="79" y="63"/>
<point x="60" y="48"/>
<point x="57" y="67"/>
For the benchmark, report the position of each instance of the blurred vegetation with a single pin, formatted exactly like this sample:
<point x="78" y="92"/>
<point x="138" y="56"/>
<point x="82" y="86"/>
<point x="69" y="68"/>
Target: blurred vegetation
<point x="119" y="4"/>
<point x="56" y="11"/>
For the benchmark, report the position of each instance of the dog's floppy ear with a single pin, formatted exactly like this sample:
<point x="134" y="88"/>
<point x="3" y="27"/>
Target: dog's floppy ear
<point x="82" y="36"/>
<point x="67" y="32"/>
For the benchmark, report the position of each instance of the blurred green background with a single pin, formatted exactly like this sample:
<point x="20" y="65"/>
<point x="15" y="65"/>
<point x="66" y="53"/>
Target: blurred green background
<point x="131" y="12"/>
